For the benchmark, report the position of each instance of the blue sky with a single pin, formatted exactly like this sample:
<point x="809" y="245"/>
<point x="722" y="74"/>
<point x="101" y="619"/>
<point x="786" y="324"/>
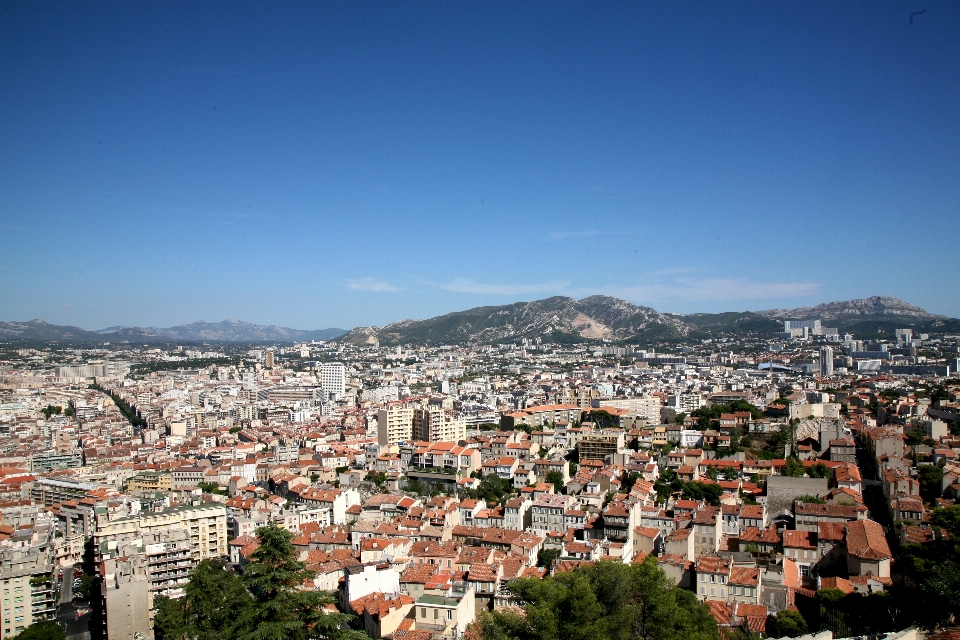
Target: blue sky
<point x="338" y="164"/>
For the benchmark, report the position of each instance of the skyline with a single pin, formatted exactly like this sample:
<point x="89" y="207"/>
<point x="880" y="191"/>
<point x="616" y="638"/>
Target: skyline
<point x="348" y="165"/>
<point x="776" y="315"/>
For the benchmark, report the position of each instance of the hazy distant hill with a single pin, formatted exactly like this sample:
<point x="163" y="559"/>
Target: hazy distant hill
<point x="226" y="331"/>
<point x="562" y="319"/>
<point x="40" y="330"/>
<point x="865" y="317"/>
<point x="875" y="306"/>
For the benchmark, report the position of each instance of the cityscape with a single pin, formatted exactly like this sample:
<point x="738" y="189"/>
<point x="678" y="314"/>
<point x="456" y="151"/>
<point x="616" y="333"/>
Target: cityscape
<point x="479" y="320"/>
<point x="420" y="484"/>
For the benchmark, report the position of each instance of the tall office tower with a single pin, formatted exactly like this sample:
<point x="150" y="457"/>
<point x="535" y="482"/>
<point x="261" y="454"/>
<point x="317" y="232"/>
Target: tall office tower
<point x="268" y="359"/>
<point x="333" y="379"/>
<point x="826" y="361"/>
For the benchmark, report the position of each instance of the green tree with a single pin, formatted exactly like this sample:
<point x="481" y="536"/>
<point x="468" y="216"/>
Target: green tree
<point x="954" y="427"/>
<point x="556" y="479"/>
<point x="948" y="518"/>
<point x="209" y="487"/>
<point x="711" y="493"/>
<point x="793" y="468"/>
<point x="819" y="470"/>
<point x="215" y="604"/>
<point x="377" y="478"/>
<point x="280" y="610"/>
<point x="927" y="576"/>
<point x="546" y="557"/>
<point x="50" y="410"/>
<point x="931" y="481"/>
<point x="492" y="488"/>
<point x="265" y="603"/>
<point x="786" y="623"/>
<point x="44" y="630"/>
<point x="416" y="486"/>
<point x="602" y="601"/>
<point x="602" y="418"/>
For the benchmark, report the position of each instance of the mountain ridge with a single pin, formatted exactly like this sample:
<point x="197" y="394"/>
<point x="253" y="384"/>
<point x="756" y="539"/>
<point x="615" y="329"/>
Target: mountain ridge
<point x="872" y="306"/>
<point x="564" y="319"/>
<point x="234" y="331"/>
<point x="555" y="319"/>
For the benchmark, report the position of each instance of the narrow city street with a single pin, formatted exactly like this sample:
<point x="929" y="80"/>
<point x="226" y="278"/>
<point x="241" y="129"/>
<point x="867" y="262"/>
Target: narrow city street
<point x="74" y="617"/>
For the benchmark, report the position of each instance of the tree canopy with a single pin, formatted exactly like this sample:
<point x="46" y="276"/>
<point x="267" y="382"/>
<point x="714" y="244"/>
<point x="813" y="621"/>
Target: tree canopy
<point x="492" y="488"/>
<point x="793" y="468"/>
<point x="786" y="623"/>
<point x="44" y="630"/>
<point x="556" y="479"/>
<point x="263" y="603"/>
<point x="926" y="585"/>
<point x="931" y="478"/>
<point x="602" y="601"/>
<point x="707" y="416"/>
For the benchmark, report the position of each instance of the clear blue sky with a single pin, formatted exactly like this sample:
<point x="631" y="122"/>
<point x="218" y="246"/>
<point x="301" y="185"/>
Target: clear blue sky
<point x="327" y="164"/>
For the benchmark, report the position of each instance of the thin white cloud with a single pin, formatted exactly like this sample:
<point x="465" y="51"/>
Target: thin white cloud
<point x="563" y="235"/>
<point x="462" y="285"/>
<point x="369" y="284"/>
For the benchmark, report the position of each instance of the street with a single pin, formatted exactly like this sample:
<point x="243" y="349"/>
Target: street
<point x="75" y="627"/>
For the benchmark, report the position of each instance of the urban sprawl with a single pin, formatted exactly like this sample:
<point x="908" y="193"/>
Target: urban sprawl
<point x="419" y="482"/>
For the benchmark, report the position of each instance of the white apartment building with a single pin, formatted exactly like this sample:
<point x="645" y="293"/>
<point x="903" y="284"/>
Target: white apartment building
<point x="644" y="407"/>
<point x="206" y="522"/>
<point x="420" y="422"/>
<point x="394" y="425"/>
<point x="29" y="593"/>
<point x="333" y="379"/>
<point x="548" y="513"/>
<point x="431" y="423"/>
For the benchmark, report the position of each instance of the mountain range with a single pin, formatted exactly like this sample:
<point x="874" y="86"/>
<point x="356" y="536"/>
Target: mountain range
<point x="563" y="319"/>
<point x="226" y="331"/>
<point x="556" y="319"/>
